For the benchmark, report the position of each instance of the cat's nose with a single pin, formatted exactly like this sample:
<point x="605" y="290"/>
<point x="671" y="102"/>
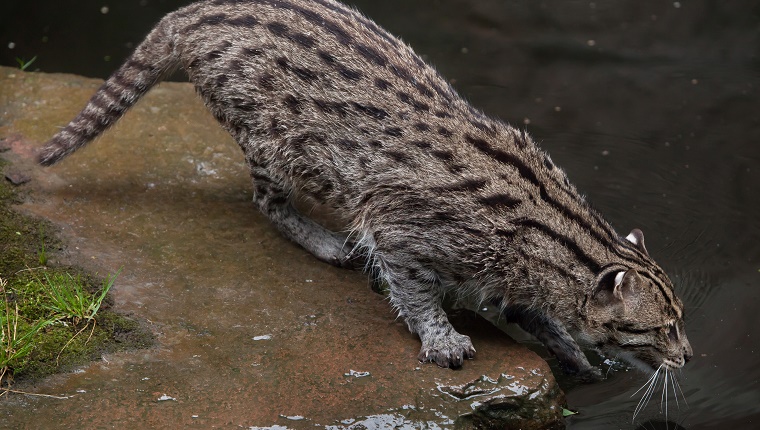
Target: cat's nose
<point x="687" y="352"/>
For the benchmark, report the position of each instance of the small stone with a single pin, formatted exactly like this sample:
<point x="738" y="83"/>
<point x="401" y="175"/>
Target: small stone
<point x="356" y="374"/>
<point x="16" y="178"/>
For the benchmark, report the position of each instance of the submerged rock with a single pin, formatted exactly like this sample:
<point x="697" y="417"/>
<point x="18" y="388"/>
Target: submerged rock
<point x="507" y="402"/>
<point x="165" y="194"/>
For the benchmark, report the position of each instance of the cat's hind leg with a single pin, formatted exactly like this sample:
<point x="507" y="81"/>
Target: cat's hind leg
<point x="272" y="197"/>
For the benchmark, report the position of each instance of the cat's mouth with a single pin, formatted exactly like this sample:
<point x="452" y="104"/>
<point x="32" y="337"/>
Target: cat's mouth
<point x="673" y="364"/>
<point x="649" y="363"/>
<point x="670" y="365"/>
<point x="645" y="361"/>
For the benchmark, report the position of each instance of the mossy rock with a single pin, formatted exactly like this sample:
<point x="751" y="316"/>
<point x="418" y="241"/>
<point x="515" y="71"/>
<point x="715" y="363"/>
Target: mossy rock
<point x="62" y="345"/>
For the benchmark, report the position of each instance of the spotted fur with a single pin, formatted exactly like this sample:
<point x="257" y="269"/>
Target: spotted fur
<point x="440" y="198"/>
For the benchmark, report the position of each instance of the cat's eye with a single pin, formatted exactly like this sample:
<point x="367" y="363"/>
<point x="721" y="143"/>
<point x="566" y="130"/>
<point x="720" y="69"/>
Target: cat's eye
<point x="672" y="332"/>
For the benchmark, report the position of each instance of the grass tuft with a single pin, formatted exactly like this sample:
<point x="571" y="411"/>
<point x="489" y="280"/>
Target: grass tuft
<point x="23" y="64"/>
<point x="70" y="301"/>
<point x="42" y="256"/>
<point x="16" y="335"/>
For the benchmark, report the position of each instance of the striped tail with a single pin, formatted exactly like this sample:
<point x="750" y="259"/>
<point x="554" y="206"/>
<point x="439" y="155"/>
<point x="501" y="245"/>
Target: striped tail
<point x="152" y="60"/>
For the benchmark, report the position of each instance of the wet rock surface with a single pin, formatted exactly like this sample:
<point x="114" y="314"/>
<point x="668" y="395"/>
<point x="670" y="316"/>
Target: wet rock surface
<point x="252" y="330"/>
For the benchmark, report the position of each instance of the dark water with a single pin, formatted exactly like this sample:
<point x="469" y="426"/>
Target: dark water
<point x="651" y="107"/>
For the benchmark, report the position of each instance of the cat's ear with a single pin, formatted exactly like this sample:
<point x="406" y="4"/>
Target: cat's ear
<point x="636" y="237"/>
<point x="618" y="288"/>
<point x="624" y="286"/>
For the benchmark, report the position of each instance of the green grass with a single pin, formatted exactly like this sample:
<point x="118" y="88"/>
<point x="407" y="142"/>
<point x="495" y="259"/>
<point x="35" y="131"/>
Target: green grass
<point x="44" y="307"/>
<point x="42" y="256"/>
<point x="70" y="301"/>
<point x="23" y="64"/>
<point x="16" y="335"/>
<point x="41" y="317"/>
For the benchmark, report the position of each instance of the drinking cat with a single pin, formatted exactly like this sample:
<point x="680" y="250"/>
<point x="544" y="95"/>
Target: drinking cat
<point x="439" y="198"/>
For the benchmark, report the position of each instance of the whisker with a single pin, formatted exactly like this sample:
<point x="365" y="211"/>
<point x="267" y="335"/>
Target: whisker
<point x="665" y="393"/>
<point x="682" y="394"/>
<point x="647" y="383"/>
<point x="662" y="395"/>
<point x="648" y="395"/>
<point x="650" y="384"/>
<point x="673" y="382"/>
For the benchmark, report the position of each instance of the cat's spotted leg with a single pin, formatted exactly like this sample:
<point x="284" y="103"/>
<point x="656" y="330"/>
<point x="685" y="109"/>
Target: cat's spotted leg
<point x="273" y="199"/>
<point x="417" y="295"/>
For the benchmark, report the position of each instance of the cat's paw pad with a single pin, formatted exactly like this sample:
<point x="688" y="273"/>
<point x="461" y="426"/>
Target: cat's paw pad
<point x="448" y="352"/>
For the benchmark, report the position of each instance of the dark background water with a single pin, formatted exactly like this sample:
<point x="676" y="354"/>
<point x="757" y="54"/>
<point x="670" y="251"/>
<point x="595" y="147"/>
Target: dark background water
<point x="651" y="107"/>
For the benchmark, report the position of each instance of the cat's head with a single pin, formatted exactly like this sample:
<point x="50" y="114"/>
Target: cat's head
<point x="634" y="313"/>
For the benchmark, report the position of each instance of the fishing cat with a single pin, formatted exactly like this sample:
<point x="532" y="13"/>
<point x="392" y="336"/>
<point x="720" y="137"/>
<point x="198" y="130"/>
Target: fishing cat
<point x="440" y="198"/>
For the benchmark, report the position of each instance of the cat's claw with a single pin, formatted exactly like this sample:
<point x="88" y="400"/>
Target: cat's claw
<point x="451" y="352"/>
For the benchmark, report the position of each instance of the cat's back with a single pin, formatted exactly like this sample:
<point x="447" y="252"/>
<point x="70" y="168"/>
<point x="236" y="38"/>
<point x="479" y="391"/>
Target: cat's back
<point x="321" y="49"/>
<point x="331" y="89"/>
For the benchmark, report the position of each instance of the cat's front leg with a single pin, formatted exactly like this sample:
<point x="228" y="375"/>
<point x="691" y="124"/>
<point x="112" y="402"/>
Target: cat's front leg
<point x="556" y="339"/>
<point x="416" y="293"/>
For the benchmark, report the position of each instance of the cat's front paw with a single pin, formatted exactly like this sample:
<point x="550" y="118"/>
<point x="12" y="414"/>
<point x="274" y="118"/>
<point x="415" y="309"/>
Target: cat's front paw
<point x="450" y="351"/>
<point x="587" y="374"/>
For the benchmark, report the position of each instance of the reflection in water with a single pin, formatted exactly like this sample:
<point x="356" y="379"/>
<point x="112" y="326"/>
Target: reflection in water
<point x="659" y="425"/>
<point x="650" y="107"/>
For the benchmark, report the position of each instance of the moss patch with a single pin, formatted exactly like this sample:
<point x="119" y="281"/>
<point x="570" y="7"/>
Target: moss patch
<point x="24" y="245"/>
